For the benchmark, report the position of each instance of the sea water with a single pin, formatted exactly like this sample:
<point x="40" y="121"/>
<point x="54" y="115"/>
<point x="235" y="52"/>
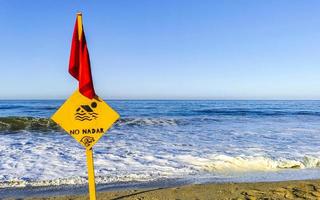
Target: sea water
<point x="202" y="141"/>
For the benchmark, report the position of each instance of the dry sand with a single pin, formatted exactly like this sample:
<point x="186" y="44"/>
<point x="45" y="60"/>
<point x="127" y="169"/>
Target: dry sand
<point x="309" y="189"/>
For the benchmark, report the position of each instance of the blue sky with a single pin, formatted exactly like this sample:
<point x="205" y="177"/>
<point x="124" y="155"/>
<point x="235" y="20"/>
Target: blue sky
<point x="174" y="49"/>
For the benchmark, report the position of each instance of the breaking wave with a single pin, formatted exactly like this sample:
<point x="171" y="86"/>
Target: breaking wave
<point x="16" y="124"/>
<point x="216" y="163"/>
<point x="185" y="165"/>
<point x="78" y="180"/>
<point x="150" y="122"/>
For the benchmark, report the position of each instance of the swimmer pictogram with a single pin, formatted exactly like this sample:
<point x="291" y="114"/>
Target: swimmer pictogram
<point x="86" y="112"/>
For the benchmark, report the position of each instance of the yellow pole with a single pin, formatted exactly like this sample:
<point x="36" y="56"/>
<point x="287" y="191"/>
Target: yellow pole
<point x="80" y="27"/>
<point x="92" y="185"/>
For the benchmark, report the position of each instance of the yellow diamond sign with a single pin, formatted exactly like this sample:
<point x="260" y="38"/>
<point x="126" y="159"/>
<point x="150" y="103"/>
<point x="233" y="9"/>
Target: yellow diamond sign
<point x="86" y="120"/>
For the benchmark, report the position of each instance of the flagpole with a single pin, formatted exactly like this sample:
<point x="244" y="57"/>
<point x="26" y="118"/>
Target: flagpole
<point x="79" y="18"/>
<point x="92" y="185"/>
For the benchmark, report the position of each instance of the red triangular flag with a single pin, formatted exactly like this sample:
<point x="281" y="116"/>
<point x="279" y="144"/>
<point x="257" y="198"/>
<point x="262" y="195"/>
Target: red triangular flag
<point x="79" y="64"/>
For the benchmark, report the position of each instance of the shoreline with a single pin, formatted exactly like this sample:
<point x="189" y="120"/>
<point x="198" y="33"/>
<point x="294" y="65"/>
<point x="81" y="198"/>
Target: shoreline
<point x="309" y="189"/>
<point x="304" y="189"/>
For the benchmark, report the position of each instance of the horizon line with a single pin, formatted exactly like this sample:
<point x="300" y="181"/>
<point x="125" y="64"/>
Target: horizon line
<point x="147" y="99"/>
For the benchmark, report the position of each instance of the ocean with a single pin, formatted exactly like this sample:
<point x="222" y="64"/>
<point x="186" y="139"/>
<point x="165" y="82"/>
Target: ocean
<point x="155" y="141"/>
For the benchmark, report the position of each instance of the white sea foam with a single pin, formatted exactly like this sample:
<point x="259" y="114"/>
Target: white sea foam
<point x="149" y="121"/>
<point x="216" y="163"/>
<point x="112" y="168"/>
<point x="31" y="159"/>
<point x="77" y="180"/>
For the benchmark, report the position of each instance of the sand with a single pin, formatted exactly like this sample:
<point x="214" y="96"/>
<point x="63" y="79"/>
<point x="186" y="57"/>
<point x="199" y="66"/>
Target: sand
<point x="308" y="189"/>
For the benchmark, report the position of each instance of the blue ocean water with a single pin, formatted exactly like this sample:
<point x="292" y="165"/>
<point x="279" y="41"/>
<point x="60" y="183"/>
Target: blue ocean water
<point x="157" y="140"/>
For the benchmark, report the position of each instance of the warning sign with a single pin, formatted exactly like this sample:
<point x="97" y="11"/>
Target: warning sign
<point x="86" y="120"/>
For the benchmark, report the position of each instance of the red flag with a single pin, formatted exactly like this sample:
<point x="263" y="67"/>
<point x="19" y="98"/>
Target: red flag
<point x="79" y="64"/>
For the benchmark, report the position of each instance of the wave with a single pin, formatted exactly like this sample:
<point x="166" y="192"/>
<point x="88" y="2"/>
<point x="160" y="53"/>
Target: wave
<point x="222" y="163"/>
<point x="150" y="122"/>
<point x="9" y="107"/>
<point x="83" y="118"/>
<point x="82" y="114"/>
<point x="85" y="114"/>
<point x="186" y="166"/>
<point x="243" y="112"/>
<point x="16" y="124"/>
<point x="78" y="180"/>
<point x="12" y="107"/>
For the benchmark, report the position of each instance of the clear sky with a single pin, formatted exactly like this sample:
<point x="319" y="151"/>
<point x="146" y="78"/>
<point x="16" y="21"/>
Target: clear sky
<point x="168" y="49"/>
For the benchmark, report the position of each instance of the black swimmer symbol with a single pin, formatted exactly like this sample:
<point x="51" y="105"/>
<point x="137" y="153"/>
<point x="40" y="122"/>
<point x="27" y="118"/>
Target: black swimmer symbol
<point x="85" y="112"/>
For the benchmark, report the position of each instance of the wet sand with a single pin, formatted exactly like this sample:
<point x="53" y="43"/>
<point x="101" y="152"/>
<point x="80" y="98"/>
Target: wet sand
<point x="308" y="189"/>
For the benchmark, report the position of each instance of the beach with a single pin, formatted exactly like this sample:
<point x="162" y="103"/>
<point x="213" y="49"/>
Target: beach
<point x="306" y="189"/>
<point x="177" y="100"/>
